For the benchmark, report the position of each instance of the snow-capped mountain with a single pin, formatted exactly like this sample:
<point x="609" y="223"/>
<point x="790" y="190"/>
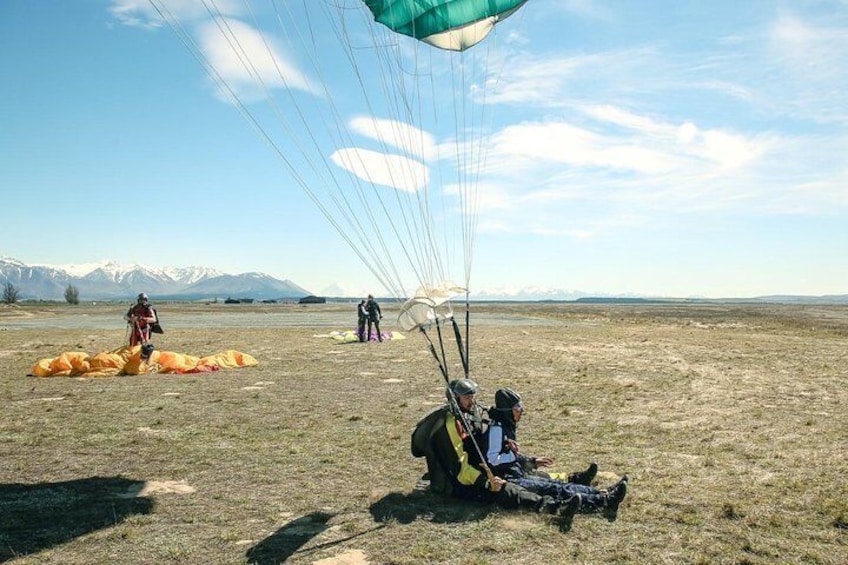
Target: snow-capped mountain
<point x="529" y="293"/>
<point x="111" y="270"/>
<point x="191" y="275"/>
<point x="40" y="281"/>
<point x="108" y="280"/>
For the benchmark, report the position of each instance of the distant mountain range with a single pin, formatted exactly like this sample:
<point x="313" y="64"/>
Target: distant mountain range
<point x="108" y="280"/>
<point x="542" y="294"/>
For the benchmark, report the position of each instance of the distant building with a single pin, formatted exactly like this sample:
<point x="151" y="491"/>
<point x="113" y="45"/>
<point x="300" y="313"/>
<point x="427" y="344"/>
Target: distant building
<point x="311" y="299"/>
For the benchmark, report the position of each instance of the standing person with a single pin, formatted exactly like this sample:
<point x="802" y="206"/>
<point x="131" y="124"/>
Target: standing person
<point x="361" y="318"/>
<point x="502" y="454"/>
<point x="448" y="437"/>
<point x="374" y="316"/>
<point x="141" y="317"/>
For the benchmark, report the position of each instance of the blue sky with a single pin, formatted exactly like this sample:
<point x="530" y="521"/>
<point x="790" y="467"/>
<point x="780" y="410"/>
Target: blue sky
<point x="675" y="148"/>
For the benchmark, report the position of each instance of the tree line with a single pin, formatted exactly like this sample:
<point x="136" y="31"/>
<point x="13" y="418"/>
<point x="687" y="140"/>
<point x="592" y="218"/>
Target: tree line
<point x="11" y="294"/>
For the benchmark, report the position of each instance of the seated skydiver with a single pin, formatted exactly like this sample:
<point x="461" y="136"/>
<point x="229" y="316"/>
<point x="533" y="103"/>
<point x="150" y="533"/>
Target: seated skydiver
<point x="505" y="460"/>
<point x="448" y="437"/>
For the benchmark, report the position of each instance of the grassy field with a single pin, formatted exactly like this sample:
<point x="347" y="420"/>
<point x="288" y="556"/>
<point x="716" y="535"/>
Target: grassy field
<point x="730" y="420"/>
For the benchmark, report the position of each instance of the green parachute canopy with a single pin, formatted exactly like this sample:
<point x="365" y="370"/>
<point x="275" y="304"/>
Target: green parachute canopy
<point x="455" y="25"/>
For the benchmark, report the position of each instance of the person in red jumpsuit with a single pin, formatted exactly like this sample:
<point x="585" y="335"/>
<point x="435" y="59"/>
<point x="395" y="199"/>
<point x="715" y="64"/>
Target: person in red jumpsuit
<point x="140" y="317"/>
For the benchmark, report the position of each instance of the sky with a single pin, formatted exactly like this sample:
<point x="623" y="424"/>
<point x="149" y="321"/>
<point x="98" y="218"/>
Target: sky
<point x="660" y="148"/>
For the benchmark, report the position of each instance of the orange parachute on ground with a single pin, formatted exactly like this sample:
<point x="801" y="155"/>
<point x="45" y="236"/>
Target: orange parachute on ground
<point x="128" y="361"/>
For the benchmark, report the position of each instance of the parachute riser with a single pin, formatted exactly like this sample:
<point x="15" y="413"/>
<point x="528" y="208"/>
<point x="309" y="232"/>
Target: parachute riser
<point x="460" y="416"/>
<point x="462" y="351"/>
<point x="443" y="369"/>
<point x="467" y="328"/>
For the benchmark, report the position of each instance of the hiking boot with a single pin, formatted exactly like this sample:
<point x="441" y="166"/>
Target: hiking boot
<point x="613" y="497"/>
<point x="567" y="511"/>
<point x="622" y="480"/>
<point x="548" y="505"/>
<point x="584" y="477"/>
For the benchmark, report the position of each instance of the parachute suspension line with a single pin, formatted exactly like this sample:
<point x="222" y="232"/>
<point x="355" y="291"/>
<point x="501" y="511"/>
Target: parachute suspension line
<point x="468" y="141"/>
<point x="404" y="105"/>
<point x="439" y="266"/>
<point x="345" y="42"/>
<point x="406" y="109"/>
<point x="454" y="405"/>
<point x="378" y="261"/>
<point x="350" y="208"/>
<point x="462" y="352"/>
<point x="478" y="150"/>
<point x="347" y="211"/>
<point x="441" y="340"/>
<point x="430" y="250"/>
<point x="443" y="368"/>
<point x="408" y="219"/>
<point x="195" y="51"/>
<point x="458" y="74"/>
<point x="478" y="161"/>
<point x="429" y="257"/>
<point x="467" y="328"/>
<point x="426" y="255"/>
<point x="374" y="259"/>
<point x="487" y="120"/>
<point x="431" y="269"/>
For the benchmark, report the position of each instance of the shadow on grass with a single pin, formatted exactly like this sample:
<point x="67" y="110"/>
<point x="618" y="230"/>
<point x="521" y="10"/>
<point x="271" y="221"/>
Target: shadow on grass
<point x="406" y="508"/>
<point x="283" y="543"/>
<point x="403" y="508"/>
<point x="34" y="517"/>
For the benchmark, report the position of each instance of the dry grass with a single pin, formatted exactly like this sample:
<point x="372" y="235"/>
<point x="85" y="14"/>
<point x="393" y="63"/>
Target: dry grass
<point x="730" y="421"/>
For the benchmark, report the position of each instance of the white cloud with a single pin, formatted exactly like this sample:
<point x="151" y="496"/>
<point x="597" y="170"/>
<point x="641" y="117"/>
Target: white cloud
<point x="247" y="60"/>
<point x="590" y="142"/>
<point x="626" y="119"/>
<point x="625" y="170"/>
<point x="384" y="169"/>
<point x="686" y="133"/>
<point x="410" y="139"/>
<point x="149" y="13"/>
<point x="561" y="142"/>
<point x="810" y="55"/>
<point x="491" y="196"/>
<point x="562" y="81"/>
<point x="730" y="151"/>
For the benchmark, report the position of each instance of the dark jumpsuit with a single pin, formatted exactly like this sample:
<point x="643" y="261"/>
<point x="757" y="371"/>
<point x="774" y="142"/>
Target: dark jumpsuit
<point x="452" y="469"/>
<point x="374" y="315"/>
<point x="516" y="469"/>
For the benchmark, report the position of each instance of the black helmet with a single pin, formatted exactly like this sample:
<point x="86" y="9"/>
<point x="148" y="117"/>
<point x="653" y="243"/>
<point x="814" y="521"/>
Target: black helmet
<point x="463" y="386"/>
<point x="506" y="399"/>
<point x="142" y="297"/>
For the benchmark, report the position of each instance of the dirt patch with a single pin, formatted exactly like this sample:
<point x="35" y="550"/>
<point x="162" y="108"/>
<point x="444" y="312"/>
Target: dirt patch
<point x="351" y="557"/>
<point x="151" y="488"/>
